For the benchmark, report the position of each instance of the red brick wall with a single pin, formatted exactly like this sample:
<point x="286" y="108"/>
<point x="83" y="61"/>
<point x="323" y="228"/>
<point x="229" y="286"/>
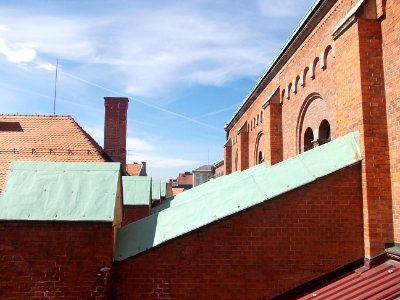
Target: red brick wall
<point x="115" y="127"/>
<point x="243" y="139"/>
<point x="274" y="111"/>
<point x="220" y="170"/>
<point x="285" y="123"/>
<point x="228" y="158"/>
<point x="53" y="260"/>
<point x="391" y="63"/>
<point x="349" y="80"/>
<point x="133" y="213"/>
<point x="378" y="220"/>
<point x="257" y="253"/>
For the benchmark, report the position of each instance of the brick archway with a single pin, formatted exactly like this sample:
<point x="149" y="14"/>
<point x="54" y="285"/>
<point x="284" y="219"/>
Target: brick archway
<point x="313" y="111"/>
<point x="259" y="149"/>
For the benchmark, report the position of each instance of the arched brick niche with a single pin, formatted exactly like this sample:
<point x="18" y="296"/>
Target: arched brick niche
<point x="259" y="151"/>
<point x="314" y="116"/>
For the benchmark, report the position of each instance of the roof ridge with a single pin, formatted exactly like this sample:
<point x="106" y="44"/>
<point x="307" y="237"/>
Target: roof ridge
<point x="34" y="115"/>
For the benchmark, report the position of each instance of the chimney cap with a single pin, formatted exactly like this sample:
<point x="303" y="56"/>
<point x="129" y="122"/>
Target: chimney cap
<point x="116" y="99"/>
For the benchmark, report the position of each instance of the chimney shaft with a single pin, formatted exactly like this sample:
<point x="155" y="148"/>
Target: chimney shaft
<point x="144" y="171"/>
<point x="115" y="126"/>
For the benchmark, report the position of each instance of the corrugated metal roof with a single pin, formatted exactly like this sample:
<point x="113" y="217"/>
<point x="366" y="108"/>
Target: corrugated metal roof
<point x="380" y="282"/>
<point x="291" y="38"/>
<point x="60" y="191"/>
<point x="229" y="197"/>
<point x="136" y="190"/>
<point x="156" y="190"/>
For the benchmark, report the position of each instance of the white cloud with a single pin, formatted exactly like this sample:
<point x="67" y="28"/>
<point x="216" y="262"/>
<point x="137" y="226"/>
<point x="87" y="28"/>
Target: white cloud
<point x="137" y="144"/>
<point x="45" y="66"/>
<point x="17" y="53"/>
<point x="184" y="46"/>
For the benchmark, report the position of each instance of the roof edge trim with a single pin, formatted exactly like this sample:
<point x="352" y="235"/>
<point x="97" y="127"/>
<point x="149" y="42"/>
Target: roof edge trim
<point x="347" y="21"/>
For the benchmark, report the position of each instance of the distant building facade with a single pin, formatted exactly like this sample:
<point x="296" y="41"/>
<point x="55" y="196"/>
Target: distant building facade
<point x="183" y="181"/>
<point x="202" y="174"/>
<point x="219" y="168"/>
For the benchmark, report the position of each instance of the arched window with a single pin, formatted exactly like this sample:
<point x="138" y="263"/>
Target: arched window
<point x="324" y="132"/>
<point x="308" y="138"/>
<point x="259" y="149"/>
<point x="260" y="158"/>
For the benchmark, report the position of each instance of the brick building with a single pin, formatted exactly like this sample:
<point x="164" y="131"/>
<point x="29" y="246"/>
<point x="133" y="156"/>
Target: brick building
<point x="60" y="138"/>
<point x="57" y="224"/>
<point x="310" y="191"/>
<point x="337" y="73"/>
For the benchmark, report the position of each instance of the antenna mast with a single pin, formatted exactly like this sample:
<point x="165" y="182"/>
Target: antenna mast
<point x="55" y="90"/>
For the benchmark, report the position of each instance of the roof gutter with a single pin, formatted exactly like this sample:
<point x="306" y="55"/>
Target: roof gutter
<point x="311" y="11"/>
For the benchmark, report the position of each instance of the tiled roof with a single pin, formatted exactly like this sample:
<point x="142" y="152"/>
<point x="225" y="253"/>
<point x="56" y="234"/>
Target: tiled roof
<point x="184" y="179"/>
<point x="176" y="191"/>
<point x="44" y="138"/>
<point x="380" y="282"/>
<point x="134" y="169"/>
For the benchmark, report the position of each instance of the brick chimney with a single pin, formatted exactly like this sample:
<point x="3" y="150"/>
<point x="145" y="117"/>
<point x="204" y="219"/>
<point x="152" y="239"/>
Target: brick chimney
<point x="115" y="125"/>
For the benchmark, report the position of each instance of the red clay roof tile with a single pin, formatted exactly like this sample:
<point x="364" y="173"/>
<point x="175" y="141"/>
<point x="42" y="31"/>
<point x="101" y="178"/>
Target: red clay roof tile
<point x="184" y="179"/>
<point x="133" y="169"/>
<point x="44" y="138"/>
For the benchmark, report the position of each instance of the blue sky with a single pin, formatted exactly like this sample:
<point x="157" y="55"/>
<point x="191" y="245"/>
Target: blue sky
<point x="186" y="66"/>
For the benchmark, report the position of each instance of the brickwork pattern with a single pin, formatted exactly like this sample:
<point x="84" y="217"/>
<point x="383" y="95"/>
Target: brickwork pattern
<point x="351" y="80"/>
<point x="243" y="150"/>
<point x="275" y="133"/>
<point x="391" y="64"/>
<point x="133" y="213"/>
<point x="378" y="222"/>
<point x="115" y="128"/>
<point x="257" y="253"/>
<point x="54" y="260"/>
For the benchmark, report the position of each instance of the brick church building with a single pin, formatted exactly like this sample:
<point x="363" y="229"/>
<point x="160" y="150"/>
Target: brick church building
<point x="338" y="72"/>
<point x="308" y="206"/>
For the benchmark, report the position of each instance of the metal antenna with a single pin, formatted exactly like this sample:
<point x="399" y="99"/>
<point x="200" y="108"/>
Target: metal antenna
<point x="55" y="90"/>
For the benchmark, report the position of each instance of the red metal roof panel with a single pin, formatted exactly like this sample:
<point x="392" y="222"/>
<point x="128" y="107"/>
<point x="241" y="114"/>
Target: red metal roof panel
<point x="380" y="282"/>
